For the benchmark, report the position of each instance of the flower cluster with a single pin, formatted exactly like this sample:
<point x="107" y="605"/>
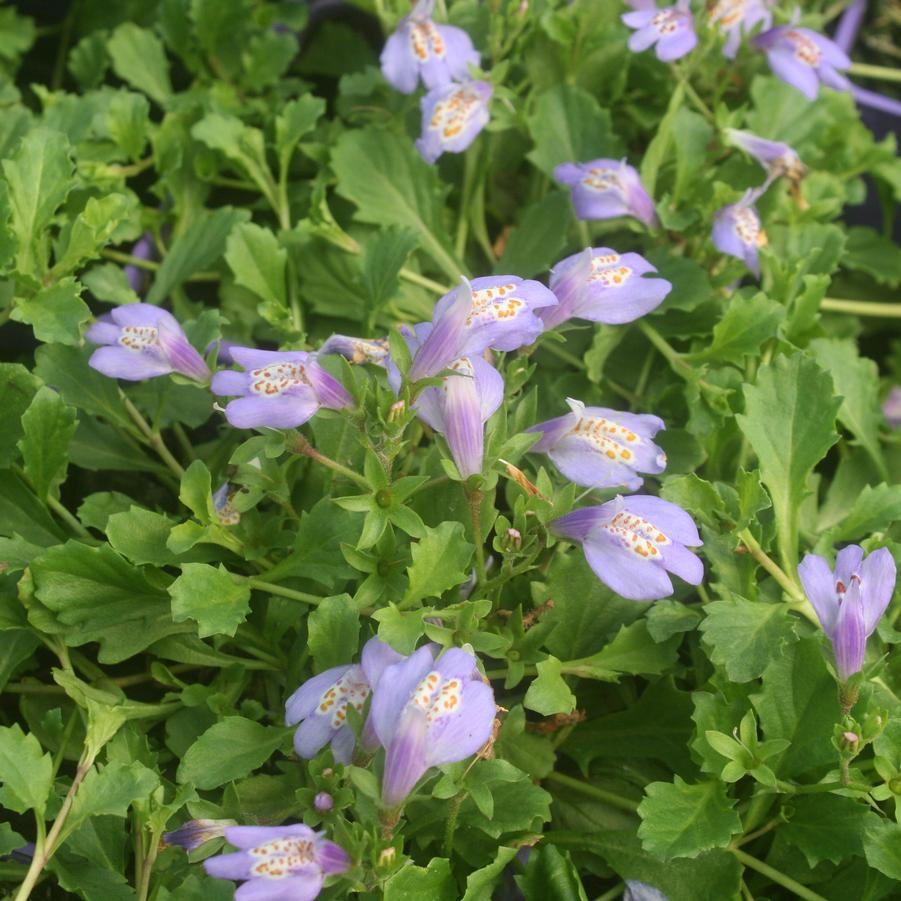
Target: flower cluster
<point x="455" y="107"/>
<point x="426" y="710"/>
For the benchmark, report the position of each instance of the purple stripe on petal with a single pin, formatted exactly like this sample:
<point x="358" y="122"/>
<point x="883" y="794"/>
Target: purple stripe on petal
<point x="459" y="735"/>
<point x="405" y="759"/>
<point x="463" y="424"/>
<point x="332" y="858"/>
<point x="819" y="586"/>
<point x="181" y="354"/>
<point x="850" y="639"/>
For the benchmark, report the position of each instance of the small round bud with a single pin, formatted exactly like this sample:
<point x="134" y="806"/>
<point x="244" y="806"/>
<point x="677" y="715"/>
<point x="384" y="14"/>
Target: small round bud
<point x="386" y="857"/>
<point x="383" y="497"/>
<point x="327" y="773"/>
<point x="511" y="540"/>
<point x="894" y="784"/>
<point x="323" y="802"/>
<point x="397" y="411"/>
<point x="851" y="737"/>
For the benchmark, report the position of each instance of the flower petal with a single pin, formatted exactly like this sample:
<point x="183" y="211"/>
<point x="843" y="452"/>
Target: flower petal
<point x="305" y="700"/>
<point x="877" y="582"/>
<point x="290" y="888"/>
<point x="121" y="363"/>
<point x="625" y="573"/>
<point x="283" y="412"/>
<point x="819" y="586"/>
<point x="459" y="735"/>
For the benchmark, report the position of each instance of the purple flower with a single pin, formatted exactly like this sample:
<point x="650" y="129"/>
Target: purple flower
<point x="602" y="285"/>
<point x="144" y="249"/>
<point x="601" y="448"/>
<point x="849" y="25"/>
<point x="319" y="705"/>
<point x="222" y="502"/>
<point x="891" y="407"/>
<point x="357" y="350"/>
<point x="850" y="601"/>
<point x="323" y="802"/>
<point x="143" y="341"/>
<point x="452" y="116"/>
<point x="429" y="713"/>
<point x="496" y="311"/>
<point x="777" y="158"/>
<point x="804" y="59"/>
<point x="632" y="542"/>
<point x="194" y="833"/>
<point x="438" y="54"/>
<point x="641" y="891"/>
<point x="671" y="29"/>
<point x="278" y="389"/>
<point x="605" y="189"/>
<point x="737" y="17"/>
<point x="737" y="231"/>
<point x="282" y="863"/>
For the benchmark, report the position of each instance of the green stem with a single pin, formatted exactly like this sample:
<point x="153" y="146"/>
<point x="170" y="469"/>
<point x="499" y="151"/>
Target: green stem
<point x="421" y="280"/>
<point x="751" y="836"/>
<point x="451" y="825"/>
<point x="470" y="159"/>
<point x="862" y="307"/>
<point x="791" y="588"/>
<point x="592" y="791"/>
<point x="59" y="509"/>
<point x="154" y="439"/>
<point x="475" y="512"/>
<point x="883" y="73"/>
<point x="776" y="876"/>
<point x="128" y="260"/>
<point x="609" y="895"/>
<point x="299" y="445"/>
<point x="282" y="592"/>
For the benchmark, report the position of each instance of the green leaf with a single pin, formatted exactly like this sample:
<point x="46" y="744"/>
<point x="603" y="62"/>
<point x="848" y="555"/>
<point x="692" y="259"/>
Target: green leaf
<point x="297" y="119"/>
<point x="21" y="513"/>
<point x="632" y="651"/>
<point x="797" y="703"/>
<point x="97" y="596"/>
<point x="873" y="253"/>
<point x="567" y="125"/>
<point x="659" y="148"/>
<point x="694" y="135"/>
<point x="93" y="228"/>
<point x="9" y="840"/>
<point x="108" y="282"/>
<point x="139" y="58"/>
<point x="826" y="827"/>
<point x="17" y="388"/>
<point x="240" y="144"/>
<point x="258" y="262"/>
<point x="412" y="883"/>
<point x="551" y="876"/>
<point x="875" y="508"/>
<point x="110" y="791"/>
<point x="549" y="693"/>
<point x="480" y="883"/>
<point x="391" y="184"/>
<point x="56" y="314"/>
<point x="210" y="597"/>
<point x="16" y="645"/>
<point x="127" y="119"/>
<point x="856" y="379"/>
<point x="334" y="629"/>
<point x="140" y="535"/>
<point x="200" y="245"/>
<point x="882" y="846"/>
<point x="39" y="176"/>
<point x="227" y="751"/>
<point x="539" y="237"/>
<point x="383" y="257"/>
<point x="267" y="57"/>
<point x="667" y="618"/>
<point x="26" y="772"/>
<point x="48" y="426"/>
<point x="682" y="820"/>
<point x="440" y="561"/>
<point x="789" y="421"/>
<point x="744" y="636"/>
<point x="746" y="325"/>
<point x="656" y="727"/>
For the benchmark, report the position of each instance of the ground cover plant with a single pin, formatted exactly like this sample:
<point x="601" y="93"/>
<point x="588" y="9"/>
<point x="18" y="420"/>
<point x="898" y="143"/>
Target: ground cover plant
<point x="448" y="451"/>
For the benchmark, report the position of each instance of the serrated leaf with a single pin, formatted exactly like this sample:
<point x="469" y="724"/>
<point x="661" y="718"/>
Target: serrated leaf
<point x="746" y="324"/>
<point x="539" y="237"/>
<point x="789" y="421"/>
<point x="826" y="827"/>
<point x="334" y="628"/>
<point x="227" y="751"/>
<point x="211" y="597"/>
<point x="383" y="257"/>
<point x="551" y="876"/>
<point x="110" y="791"/>
<point x="549" y="693"/>
<point x="413" y="883"/>
<point x="17" y="389"/>
<point x="875" y="508"/>
<point x="389" y="182"/>
<point x="682" y="820"/>
<point x="440" y="561"/>
<point x="25" y="771"/>
<point x="47" y="428"/>
<point x="139" y="535"/>
<point x="296" y="119"/>
<point x="56" y="313"/>
<point x="744" y="636"/>
<point x="258" y="262"/>
<point x="882" y="846"/>
<point x="139" y="58"/>
<point x="632" y="651"/>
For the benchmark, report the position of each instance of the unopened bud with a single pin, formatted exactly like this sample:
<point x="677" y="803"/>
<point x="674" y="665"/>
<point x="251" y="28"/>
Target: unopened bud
<point x="323" y="802"/>
<point x="894" y="784"/>
<point x="511" y="540"/>
<point x="397" y="411"/>
<point x="386" y="857"/>
<point x="194" y="833"/>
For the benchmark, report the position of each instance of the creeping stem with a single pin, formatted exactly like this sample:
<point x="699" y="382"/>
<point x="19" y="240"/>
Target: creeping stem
<point x="474" y="496"/>
<point x="299" y="445"/>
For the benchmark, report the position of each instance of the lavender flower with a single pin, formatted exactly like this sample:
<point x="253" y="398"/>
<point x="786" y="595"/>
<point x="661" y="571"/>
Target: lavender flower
<point x="452" y="116"/>
<point x="737" y="231"/>
<point x="601" y="448"/>
<point x="891" y="407"/>
<point x="737" y="17"/>
<point x="282" y="863"/>
<point x="671" y="29"/>
<point x="143" y="341"/>
<point x="323" y="802"/>
<point x="222" y="502"/>
<point x="195" y="833"/>
<point x="777" y="158"/>
<point x="320" y="704"/>
<point x="804" y="59"/>
<point x="496" y="311"/>
<point x="419" y="48"/>
<point x="602" y="285"/>
<point x="641" y="891"/>
<point x="850" y="601"/>
<point x="279" y="389"/>
<point x="605" y="189"/>
<point x="429" y="713"/>
<point x="632" y="542"/>
<point x="357" y="350"/>
<point x="849" y="25"/>
<point x="144" y="249"/>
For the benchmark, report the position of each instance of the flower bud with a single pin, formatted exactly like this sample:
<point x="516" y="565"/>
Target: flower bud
<point x="386" y="857"/>
<point x="323" y="802"/>
<point x="511" y="540"/>
<point x="397" y="410"/>
<point x="194" y="833"/>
